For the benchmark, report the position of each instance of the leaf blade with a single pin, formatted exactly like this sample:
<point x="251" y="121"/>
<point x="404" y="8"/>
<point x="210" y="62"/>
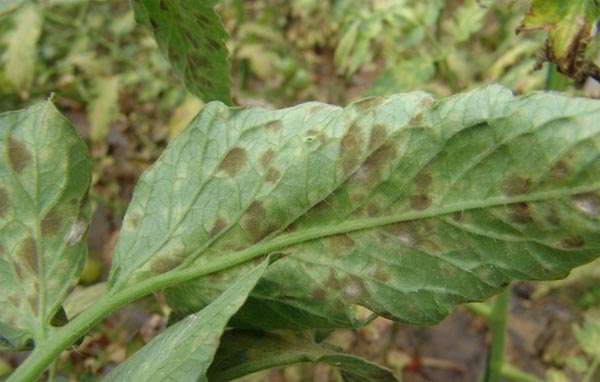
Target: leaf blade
<point x="245" y="352"/>
<point x="44" y="212"/>
<point x="393" y="203"/>
<point x="191" y="36"/>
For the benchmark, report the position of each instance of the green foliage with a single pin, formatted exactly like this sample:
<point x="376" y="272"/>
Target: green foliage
<point x="245" y="352"/>
<point x="404" y="205"/>
<point x="44" y="213"/>
<point x="184" y="351"/>
<point x="387" y="194"/>
<point x="191" y="35"/>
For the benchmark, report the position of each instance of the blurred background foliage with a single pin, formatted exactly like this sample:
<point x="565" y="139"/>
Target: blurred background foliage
<point x="109" y="78"/>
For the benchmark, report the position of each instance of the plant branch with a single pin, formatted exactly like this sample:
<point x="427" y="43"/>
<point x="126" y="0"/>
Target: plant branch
<point x="497" y="321"/>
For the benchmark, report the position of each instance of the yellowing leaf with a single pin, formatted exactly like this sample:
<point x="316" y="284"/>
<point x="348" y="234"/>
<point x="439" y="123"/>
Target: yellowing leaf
<point x="104" y="107"/>
<point x="569" y="24"/>
<point x="21" y="51"/>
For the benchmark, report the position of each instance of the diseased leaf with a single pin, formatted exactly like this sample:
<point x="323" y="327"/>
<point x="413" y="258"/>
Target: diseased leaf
<point x="185" y="350"/>
<point x="191" y="35"/>
<point x="399" y="204"/>
<point x="569" y="24"/>
<point x="44" y="212"/>
<point x="21" y="48"/>
<point x="245" y="352"/>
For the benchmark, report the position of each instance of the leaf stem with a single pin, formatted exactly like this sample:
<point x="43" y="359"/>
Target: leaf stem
<point x="497" y="321"/>
<point x="63" y="337"/>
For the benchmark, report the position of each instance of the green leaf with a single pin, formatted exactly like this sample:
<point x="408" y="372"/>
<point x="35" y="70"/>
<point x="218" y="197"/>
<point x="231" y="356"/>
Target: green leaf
<point x="44" y="213"/>
<point x="7" y="6"/>
<point x="185" y="350"/>
<point x="570" y="25"/>
<point x="397" y="204"/>
<point x="245" y="352"/>
<point x="21" y="48"/>
<point x="191" y="35"/>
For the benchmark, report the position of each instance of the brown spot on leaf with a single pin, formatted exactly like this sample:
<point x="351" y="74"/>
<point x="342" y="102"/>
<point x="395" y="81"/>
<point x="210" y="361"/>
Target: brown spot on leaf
<point x="560" y="170"/>
<point x="165" y="264"/>
<point x="372" y="209"/>
<point x="382" y="274"/>
<point x="233" y="162"/>
<point x="219" y="226"/>
<point x="416" y="120"/>
<point x="272" y="175"/>
<point x="520" y="213"/>
<point x="33" y="303"/>
<point x="274" y="125"/>
<point x="350" y="147"/>
<point x="420" y="202"/>
<point x="19" y="271"/>
<point x="369" y="103"/>
<point x="458" y="216"/>
<point x="3" y="202"/>
<point x="266" y="158"/>
<point x="18" y="155"/>
<point x="133" y="220"/>
<point x="13" y="300"/>
<point x="315" y="108"/>
<point x="423" y="181"/>
<point x="254" y="222"/>
<point x="406" y="232"/>
<point x="319" y="293"/>
<point x="340" y="244"/>
<point x="371" y="172"/>
<point x="51" y="223"/>
<point x="517" y="185"/>
<point x="377" y="136"/>
<point x="573" y="242"/>
<point x="27" y="254"/>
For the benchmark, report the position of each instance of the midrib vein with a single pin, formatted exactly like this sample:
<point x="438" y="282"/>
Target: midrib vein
<point x="294" y="238"/>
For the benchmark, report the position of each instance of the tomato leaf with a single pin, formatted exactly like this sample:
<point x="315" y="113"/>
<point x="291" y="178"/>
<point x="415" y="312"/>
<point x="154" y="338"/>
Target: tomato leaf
<point x="184" y="351"/>
<point x="570" y="25"/>
<point x="399" y="204"/>
<point x="244" y="352"/>
<point x="44" y="213"/>
<point x="191" y="35"/>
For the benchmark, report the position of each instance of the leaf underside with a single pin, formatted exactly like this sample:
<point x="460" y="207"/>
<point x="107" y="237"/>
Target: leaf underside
<point x="191" y="35"/>
<point x="44" y="212"/>
<point x="245" y="352"/>
<point x="404" y="205"/>
<point x="184" y="351"/>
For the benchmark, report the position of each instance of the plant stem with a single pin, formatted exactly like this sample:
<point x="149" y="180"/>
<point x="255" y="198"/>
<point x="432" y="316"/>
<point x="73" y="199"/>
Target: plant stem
<point x="516" y="375"/>
<point x="497" y="322"/>
<point x="63" y="337"/>
<point x="125" y="293"/>
<point x="53" y="368"/>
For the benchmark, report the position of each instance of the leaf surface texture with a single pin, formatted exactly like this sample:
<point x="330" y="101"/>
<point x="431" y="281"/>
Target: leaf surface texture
<point x="402" y="204"/>
<point x="44" y="213"/>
